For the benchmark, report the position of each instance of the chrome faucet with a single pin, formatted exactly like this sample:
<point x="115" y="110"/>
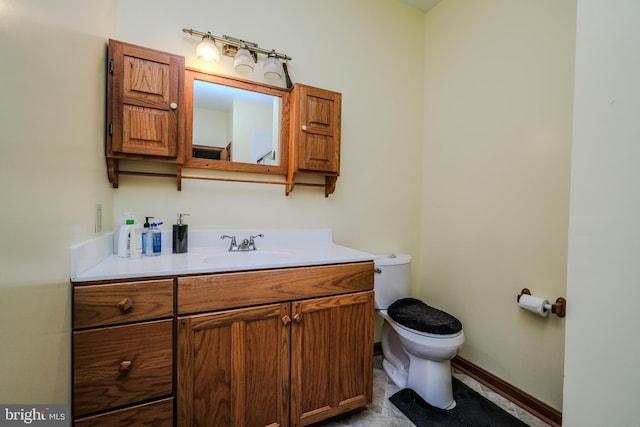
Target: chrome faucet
<point x="233" y="246"/>
<point x="246" y="244"/>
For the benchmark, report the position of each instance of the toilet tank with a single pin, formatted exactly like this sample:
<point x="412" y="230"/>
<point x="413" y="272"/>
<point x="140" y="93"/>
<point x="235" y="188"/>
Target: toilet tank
<point x="391" y="279"/>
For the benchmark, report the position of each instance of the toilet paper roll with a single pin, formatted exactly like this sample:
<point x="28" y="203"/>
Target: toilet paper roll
<point x="533" y="304"/>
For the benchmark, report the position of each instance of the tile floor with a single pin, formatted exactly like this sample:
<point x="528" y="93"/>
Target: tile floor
<point x="382" y="413"/>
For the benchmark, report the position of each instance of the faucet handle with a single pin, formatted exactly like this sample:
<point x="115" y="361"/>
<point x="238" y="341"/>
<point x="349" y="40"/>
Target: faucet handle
<point x="252" y="244"/>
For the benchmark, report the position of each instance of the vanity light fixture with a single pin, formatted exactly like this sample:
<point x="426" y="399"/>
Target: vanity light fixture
<point x="207" y="49"/>
<point x="245" y="54"/>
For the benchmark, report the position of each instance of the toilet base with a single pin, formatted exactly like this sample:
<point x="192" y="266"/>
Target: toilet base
<point x="397" y="376"/>
<point x="430" y="379"/>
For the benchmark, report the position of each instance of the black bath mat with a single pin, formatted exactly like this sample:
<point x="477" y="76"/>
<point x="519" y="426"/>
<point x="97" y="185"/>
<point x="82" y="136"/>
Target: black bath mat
<point x="471" y="410"/>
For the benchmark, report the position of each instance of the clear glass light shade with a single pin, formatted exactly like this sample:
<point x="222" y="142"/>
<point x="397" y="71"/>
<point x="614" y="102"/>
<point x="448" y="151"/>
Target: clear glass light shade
<point x="243" y="62"/>
<point x="272" y="69"/>
<point x="207" y="50"/>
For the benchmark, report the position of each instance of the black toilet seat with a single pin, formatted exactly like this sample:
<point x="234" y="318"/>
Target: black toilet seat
<point x="415" y="314"/>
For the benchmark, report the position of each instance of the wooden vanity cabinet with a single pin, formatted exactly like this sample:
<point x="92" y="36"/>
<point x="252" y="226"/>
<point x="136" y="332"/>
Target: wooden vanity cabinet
<point x="145" y="91"/>
<point x="277" y="347"/>
<point x="291" y="362"/>
<point x="123" y="353"/>
<point x="315" y="133"/>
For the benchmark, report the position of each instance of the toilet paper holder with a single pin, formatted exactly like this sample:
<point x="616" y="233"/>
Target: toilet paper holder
<point x="559" y="308"/>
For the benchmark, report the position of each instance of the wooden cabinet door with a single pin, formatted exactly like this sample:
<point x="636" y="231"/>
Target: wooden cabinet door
<point x="317" y="129"/>
<point x="145" y="96"/>
<point x="233" y="367"/>
<point x="331" y="356"/>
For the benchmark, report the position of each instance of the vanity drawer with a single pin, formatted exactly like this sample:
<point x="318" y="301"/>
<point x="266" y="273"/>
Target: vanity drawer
<point x="115" y="303"/>
<point x="240" y="289"/>
<point x="121" y="365"/>
<point x="157" y="414"/>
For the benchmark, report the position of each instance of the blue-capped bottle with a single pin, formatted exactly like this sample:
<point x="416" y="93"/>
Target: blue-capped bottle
<point x="153" y="240"/>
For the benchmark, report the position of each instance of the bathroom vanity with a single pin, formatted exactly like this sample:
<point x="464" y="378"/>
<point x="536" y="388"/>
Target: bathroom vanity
<point x="283" y="337"/>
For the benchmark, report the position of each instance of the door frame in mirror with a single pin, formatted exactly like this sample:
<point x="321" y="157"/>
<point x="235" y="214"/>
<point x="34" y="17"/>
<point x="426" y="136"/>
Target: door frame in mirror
<point x="192" y="162"/>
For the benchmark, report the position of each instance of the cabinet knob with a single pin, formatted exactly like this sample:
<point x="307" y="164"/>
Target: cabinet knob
<point x="125" y="366"/>
<point x="173" y="105"/>
<point x="286" y="319"/>
<point x="125" y="305"/>
<point x="298" y="317"/>
<point x="304" y="127"/>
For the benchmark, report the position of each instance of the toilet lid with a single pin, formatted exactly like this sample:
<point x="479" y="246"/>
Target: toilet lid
<point x="415" y="314"/>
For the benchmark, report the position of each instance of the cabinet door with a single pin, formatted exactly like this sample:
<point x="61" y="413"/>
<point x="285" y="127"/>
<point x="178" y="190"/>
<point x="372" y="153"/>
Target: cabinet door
<point x="331" y="356"/>
<point x="144" y="96"/>
<point x="233" y="367"/>
<point x="317" y="137"/>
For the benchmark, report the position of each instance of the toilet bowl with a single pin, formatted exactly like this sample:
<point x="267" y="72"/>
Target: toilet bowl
<point x="418" y="341"/>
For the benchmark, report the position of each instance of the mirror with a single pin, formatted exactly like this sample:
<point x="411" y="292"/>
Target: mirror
<point x="235" y="125"/>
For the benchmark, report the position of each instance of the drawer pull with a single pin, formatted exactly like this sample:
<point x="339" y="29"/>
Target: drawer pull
<point x="125" y="305"/>
<point x="298" y="317"/>
<point x="286" y="319"/>
<point x="125" y="366"/>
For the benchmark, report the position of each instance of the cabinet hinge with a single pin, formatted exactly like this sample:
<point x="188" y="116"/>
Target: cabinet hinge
<point x="110" y="129"/>
<point x="111" y="66"/>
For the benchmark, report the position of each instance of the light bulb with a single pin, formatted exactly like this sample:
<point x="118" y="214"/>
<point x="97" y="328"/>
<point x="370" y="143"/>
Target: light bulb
<point x="243" y="62"/>
<point x="207" y="50"/>
<point x="272" y="68"/>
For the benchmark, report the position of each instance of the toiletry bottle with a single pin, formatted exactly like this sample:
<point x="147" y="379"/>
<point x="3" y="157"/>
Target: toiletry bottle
<point x="145" y="229"/>
<point x="116" y="230"/>
<point x="135" y="241"/>
<point x="154" y="240"/>
<point x="123" y="239"/>
<point x="180" y="236"/>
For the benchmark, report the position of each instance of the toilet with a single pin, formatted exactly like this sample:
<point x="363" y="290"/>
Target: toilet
<point x="418" y="341"/>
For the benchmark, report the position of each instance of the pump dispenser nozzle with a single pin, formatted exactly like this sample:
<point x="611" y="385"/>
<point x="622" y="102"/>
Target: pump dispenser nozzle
<point x="180" y="219"/>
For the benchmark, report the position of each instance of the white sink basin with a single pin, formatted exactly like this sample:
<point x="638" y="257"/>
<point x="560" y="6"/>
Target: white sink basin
<point x="257" y="257"/>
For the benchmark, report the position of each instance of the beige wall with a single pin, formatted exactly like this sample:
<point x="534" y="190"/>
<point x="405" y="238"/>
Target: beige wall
<point x="602" y="348"/>
<point x="495" y="196"/>
<point x="52" y="176"/>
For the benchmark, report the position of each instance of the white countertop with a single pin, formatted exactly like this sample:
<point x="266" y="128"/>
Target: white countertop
<point x="93" y="260"/>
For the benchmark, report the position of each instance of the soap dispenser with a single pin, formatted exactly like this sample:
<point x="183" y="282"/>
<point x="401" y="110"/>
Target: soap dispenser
<point x="180" y="235"/>
<point x="146" y="227"/>
<point x="154" y="240"/>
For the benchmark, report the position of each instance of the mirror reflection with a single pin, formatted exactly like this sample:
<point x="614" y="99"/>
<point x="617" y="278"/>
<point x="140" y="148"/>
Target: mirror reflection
<point x="236" y="125"/>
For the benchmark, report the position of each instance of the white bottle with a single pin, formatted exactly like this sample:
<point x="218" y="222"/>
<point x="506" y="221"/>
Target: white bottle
<point x="135" y="241"/>
<point x="116" y="230"/>
<point x="123" y="239"/>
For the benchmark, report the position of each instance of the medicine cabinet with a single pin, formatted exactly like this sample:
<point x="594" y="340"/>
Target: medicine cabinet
<point x="169" y="121"/>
